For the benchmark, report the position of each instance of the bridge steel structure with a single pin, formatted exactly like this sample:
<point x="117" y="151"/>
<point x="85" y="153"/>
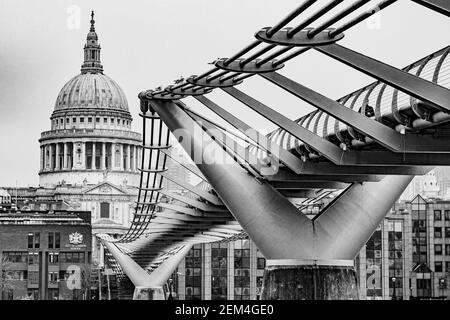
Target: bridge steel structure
<point x="362" y="149"/>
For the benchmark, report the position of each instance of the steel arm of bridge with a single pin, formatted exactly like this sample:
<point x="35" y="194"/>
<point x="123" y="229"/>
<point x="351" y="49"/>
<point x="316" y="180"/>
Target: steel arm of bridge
<point x="323" y="146"/>
<point x="250" y="162"/>
<point x="286" y="175"/>
<point x="192" y="202"/>
<point x="417" y="87"/>
<point x="328" y="168"/>
<point x="274" y="223"/>
<point x="352" y="218"/>
<point x="139" y="277"/>
<point x="287" y="158"/>
<point x="298" y="183"/>
<point x="168" y="267"/>
<point x="187" y="166"/>
<point x="382" y="134"/>
<point x="201" y="193"/>
<point x="333" y="152"/>
<point x="441" y="6"/>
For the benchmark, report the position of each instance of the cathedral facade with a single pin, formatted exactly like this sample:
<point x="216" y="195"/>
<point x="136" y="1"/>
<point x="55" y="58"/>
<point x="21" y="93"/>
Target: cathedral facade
<point x="89" y="157"/>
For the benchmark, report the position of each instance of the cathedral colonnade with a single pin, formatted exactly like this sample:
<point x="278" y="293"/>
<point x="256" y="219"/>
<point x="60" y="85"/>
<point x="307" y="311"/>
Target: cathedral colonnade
<point x="90" y="155"/>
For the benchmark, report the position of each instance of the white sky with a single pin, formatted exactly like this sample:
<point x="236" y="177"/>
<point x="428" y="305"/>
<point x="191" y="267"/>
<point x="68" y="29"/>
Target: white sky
<point x="150" y="43"/>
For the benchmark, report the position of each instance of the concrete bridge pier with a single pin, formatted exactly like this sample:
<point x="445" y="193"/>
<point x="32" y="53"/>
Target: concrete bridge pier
<point x="309" y="280"/>
<point x="307" y="259"/>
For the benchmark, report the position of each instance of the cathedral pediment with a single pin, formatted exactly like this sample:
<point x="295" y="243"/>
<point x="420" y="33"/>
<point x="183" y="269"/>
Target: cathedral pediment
<point x="105" y="188"/>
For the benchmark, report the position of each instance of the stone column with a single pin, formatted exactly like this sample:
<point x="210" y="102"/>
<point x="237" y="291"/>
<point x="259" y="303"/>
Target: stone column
<point x="83" y="155"/>
<point x="58" y="163"/>
<point x="46" y="158"/>
<point x="73" y="156"/>
<point x="65" y="162"/>
<point x="113" y="156"/>
<point x="135" y="161"/>
<point x="52" y="161"/>
<point x="103" y="165"/>
<point x="42" y="158"/>
<point x="128" y="168"/>
<point x="139" y="156"/>
<point x="93" y="156"/>
<point x="121" y="164"/>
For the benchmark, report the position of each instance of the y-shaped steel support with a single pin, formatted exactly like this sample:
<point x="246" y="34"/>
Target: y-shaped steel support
<point x="307" y="259"/>
<point x="148" y="286"/>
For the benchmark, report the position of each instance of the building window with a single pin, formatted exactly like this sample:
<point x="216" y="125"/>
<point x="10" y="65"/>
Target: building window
<point x="33" y="258"/>
<point x="447" y="232"/>
<point x="438" y="266"/>
<point x="447" y="250"/>
<point x="53" y="257"/>
<point x="57" y="240"/>
<point x="72" y="257"/>
<point x="15" y="257"/>
<point x="437" y="215"/>
<point x="104" y="210"/>
<point x="438" y="249"/>
<point x="81" y="120"/>
<point x="437" y="232"/>
<point x="8" y="294"/>
<point x="193" y="265"/>
<point x="219" y="271"/>
<point x="395" y="247"/>
<point x="33" y="294"/>
<point x="53" y="294"/>
<point x="423" y="288"/>
<point x="97" y="120"/>
<point x="30" y="240"/>
<point x="53" y="277"/>
<point x="33" y="277"/>
<point x="242" y="270"/>
<point x="105" y="120"/>
<point x="419" y="230"/>
<point x="261" y="263"/>
<point x="89" y="119"/>
<point x="112" y="120"/>
<point x="373" y="266"/>
<point x="13" y="275"/>
<point x="67" y="120"/>
<point x="74" y="120"/>
<point x="53" y="240"/>
<point x="34" y="240"/>
<point x="447" y="266"/>
<point x="447" y="215"/>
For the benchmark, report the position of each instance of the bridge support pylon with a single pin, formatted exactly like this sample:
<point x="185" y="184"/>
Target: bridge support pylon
<point x="306" y="259"/>
<point x="148" y="286"/>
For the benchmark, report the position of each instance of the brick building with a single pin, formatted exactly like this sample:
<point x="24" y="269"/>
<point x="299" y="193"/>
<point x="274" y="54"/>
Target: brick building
<point x="45" y="254"/>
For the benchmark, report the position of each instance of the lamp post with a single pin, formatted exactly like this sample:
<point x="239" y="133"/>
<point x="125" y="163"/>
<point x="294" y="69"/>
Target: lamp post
<point x="442" y="286"/>
<point x="170" y="289"/>
<point x="394" y="280"/>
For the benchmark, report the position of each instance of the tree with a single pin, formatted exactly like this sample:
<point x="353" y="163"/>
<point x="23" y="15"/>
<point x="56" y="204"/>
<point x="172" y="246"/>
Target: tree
<point x="5" y="282"/>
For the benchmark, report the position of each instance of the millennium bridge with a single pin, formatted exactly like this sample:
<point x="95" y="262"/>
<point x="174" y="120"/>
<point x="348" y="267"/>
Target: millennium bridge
<point x="361" y="151"/>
